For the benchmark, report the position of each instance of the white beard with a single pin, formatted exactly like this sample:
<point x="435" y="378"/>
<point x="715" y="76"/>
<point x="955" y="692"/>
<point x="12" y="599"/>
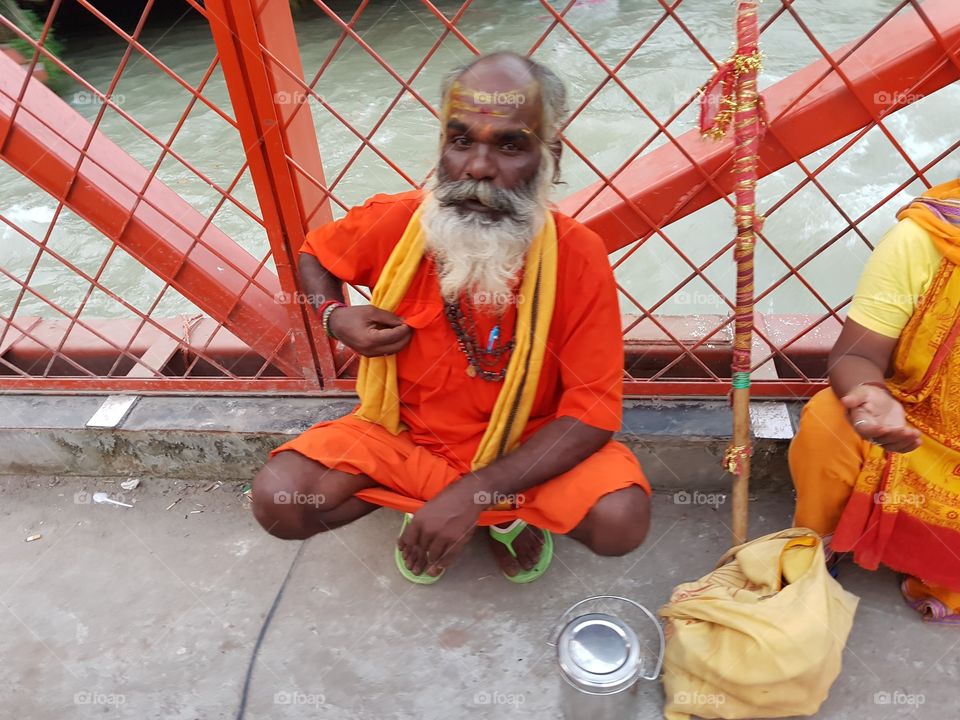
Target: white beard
<point x="480" y="255"/>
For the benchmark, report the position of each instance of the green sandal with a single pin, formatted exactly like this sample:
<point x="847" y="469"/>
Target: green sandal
<point x="421" y="579"/>
<point x="508" y="534"/>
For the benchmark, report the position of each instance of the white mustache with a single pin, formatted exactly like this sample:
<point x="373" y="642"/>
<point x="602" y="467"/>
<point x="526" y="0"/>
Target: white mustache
<point x="455" y="192"/>
<point x="477" y="253"/>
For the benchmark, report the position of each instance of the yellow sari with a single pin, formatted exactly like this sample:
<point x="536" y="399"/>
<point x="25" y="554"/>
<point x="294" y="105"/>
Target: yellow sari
<point x="904" y="511"/>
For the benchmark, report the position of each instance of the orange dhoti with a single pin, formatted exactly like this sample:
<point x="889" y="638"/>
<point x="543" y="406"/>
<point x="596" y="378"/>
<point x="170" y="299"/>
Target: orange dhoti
<point x="445" y="405"/>
<point x="410" y="474"/>
<point x="827" y="457"/>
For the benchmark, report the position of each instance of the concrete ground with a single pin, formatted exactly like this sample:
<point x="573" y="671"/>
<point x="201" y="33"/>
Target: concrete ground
<point x="153" y="612"/>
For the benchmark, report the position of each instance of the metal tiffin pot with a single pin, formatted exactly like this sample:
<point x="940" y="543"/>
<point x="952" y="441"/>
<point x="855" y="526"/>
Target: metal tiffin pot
<point x="601" y="661"/>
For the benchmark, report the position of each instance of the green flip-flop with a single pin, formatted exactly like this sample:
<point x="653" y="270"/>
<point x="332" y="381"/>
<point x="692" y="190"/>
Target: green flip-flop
<point x="508" y="534"/>
<point x="421" y="579"/>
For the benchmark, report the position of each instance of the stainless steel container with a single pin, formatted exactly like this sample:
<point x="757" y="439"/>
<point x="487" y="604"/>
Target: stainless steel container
<point x="601" y="661"/>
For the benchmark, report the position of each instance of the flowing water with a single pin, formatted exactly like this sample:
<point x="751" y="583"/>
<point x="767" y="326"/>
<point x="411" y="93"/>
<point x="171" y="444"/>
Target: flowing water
<point x="663" y="73"/>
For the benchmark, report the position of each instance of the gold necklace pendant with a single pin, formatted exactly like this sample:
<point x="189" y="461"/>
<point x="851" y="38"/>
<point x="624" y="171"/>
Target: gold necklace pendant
<point x="471" y="371"/>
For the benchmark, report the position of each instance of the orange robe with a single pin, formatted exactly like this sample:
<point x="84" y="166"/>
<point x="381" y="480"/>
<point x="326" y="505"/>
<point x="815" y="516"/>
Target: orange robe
<point x="445" y="410"/>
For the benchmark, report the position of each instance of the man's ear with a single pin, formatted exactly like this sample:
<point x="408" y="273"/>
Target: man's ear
<point x="556" y="149"/>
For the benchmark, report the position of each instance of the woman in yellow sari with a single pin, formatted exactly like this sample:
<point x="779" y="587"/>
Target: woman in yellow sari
<point x="876" y="461"/>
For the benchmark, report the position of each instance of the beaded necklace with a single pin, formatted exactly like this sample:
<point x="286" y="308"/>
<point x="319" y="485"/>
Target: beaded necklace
<point x="481" y="359"/>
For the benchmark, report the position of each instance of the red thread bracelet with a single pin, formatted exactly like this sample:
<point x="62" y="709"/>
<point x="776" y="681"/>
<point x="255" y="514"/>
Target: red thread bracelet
<point x="324" y="305"/>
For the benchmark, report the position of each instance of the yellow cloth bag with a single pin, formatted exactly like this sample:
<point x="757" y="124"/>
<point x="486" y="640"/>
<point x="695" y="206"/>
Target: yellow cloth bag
<point x="759" y="637"/>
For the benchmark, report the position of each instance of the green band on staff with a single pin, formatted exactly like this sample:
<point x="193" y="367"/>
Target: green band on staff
<point x="741" y="380"/>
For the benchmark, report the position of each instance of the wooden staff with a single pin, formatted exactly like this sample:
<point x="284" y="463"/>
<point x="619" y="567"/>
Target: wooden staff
<point x="731" y="98"/>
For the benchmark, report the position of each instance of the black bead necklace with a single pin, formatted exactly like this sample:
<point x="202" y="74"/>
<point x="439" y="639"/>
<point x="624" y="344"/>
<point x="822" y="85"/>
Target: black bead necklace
<point x="481" y="359"/>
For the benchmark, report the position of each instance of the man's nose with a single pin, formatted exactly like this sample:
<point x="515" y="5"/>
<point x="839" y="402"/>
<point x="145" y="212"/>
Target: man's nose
<point x="480" y="166"/>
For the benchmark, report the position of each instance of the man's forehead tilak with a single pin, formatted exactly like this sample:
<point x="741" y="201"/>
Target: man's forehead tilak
<point x="463" y="101"/>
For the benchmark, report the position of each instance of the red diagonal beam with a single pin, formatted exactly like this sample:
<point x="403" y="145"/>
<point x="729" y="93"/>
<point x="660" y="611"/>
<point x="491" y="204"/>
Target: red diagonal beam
<point x="160" y="231"/>
<point x="807" y="113"/>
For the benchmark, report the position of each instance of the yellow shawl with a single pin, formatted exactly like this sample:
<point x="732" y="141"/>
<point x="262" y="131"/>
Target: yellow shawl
<point x="945" y="235"/>
<point x="377" y="378"/>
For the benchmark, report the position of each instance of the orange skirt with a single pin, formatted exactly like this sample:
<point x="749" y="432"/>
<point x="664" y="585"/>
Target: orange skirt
<point x="409" y="474"/>
<point x="826" y="457"/>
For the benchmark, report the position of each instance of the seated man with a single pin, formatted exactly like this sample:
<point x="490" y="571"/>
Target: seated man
<point x="876" y="461"/>
<point x="492" y="357"/>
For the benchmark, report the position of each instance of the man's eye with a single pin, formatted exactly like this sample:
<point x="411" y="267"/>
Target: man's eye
<point x="510" y="147"/>
<point x="460" y="141"/>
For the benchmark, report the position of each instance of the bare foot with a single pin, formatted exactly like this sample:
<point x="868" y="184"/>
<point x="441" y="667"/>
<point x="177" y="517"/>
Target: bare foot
<point x="528" y="545"/>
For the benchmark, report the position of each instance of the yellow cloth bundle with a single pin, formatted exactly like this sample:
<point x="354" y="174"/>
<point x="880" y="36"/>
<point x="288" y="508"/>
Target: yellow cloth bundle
<point x="377" y="378"/>
<point x="761" y="636"/>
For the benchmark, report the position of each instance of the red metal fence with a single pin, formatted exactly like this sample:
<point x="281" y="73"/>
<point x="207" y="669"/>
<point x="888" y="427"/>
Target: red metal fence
<point x="246" y="329"/>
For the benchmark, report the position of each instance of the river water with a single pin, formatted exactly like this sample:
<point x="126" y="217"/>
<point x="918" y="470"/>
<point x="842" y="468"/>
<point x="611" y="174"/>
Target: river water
<point x="666" y="70"/>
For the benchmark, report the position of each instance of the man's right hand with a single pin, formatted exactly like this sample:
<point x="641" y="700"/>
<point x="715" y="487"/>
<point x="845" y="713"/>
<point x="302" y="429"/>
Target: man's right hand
<point x="370" y="331"/>
<point x="878" y="417"/>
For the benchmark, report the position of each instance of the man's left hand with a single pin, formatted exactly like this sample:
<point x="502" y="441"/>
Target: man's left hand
<point x="440" y="529"/>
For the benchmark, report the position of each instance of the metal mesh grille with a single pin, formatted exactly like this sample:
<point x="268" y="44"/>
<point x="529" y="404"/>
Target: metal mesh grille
<point x="185" y="276"/>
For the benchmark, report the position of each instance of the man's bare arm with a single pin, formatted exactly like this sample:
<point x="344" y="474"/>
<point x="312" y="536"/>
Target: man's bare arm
<point x="447" y="519"/>
<point x="557" y="447"/>
<point x="365" y="329"/>
<point x="319" y="284"/>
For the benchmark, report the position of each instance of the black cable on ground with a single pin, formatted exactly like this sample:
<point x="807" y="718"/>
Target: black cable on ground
<point x="263" y="632"/>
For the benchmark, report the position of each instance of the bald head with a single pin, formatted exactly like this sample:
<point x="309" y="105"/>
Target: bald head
<point x="519" y="80"/>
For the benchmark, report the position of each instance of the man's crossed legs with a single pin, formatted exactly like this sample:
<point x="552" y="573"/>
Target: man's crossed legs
<point x="311" y="485"/>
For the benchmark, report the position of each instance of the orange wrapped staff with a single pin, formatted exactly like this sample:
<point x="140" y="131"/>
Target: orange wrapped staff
<point x="731" y="98"/>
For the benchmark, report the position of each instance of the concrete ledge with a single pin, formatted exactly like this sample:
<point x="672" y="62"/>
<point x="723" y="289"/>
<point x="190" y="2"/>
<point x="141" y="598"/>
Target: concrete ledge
<point x="680" y="443"/>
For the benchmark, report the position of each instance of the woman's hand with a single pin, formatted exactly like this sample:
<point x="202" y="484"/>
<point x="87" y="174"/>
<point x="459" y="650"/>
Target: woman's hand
<point x="878" y="417"/>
